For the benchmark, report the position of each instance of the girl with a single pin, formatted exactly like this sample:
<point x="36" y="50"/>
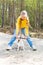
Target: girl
<point x="22" y="26"/>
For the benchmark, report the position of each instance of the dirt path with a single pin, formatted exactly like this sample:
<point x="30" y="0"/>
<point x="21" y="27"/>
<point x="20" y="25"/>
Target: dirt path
<point x="27" y="57"/>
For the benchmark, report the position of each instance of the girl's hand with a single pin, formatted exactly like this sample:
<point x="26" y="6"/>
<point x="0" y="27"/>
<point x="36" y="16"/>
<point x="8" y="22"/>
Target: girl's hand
<point x="16" y="36"/>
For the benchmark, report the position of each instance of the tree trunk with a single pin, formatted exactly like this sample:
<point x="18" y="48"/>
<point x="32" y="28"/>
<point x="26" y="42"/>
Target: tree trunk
<point x="2" y="14"/>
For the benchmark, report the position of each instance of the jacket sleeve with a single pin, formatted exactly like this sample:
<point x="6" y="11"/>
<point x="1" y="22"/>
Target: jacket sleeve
<point x="27" y="27"/>
<point x="17" y="26"/>
<point x="28" y="22"/>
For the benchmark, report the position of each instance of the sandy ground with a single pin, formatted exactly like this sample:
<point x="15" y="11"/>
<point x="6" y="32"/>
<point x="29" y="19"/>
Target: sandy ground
<point x="27" y="57"/>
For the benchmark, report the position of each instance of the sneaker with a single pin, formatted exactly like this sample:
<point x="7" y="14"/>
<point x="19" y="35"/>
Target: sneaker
<point x="8" y="48"/>
<point x="34" y="48"/>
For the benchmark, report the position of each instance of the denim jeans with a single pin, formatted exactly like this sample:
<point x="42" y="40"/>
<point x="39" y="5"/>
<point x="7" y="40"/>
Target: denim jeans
<point x="14" y="38"/>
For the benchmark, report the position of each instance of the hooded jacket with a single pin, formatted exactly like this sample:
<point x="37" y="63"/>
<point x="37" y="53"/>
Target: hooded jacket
<point x="22" y="23"/>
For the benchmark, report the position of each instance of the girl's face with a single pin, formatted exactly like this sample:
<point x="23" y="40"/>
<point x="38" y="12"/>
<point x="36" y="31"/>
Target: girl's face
<point x="23" y="16"/>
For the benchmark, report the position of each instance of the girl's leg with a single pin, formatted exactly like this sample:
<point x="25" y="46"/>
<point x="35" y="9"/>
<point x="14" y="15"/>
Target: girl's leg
<point x="12" y="39"/>
<point x="31" y="43"/>
<point x="23" y="31"/>
<point x="29" y="40"/>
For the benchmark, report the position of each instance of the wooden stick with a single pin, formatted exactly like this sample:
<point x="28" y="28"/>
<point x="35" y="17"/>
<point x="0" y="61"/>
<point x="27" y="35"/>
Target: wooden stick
<point x="21" y="38"/>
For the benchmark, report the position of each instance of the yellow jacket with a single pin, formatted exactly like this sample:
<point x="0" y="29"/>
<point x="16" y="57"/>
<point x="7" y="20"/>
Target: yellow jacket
<point x="22" y="24"/>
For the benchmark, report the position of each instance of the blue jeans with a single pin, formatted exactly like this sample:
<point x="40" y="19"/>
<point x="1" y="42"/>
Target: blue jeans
<point x="14" y="38"/>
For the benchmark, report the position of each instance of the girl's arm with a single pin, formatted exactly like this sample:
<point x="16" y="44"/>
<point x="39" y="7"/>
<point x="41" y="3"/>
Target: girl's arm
<point x="17" y="26"/>
<point x="29" y="24"/>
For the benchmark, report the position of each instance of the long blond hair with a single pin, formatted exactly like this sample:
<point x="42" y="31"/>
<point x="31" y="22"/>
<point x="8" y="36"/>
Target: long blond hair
<point x="25" y="12"/>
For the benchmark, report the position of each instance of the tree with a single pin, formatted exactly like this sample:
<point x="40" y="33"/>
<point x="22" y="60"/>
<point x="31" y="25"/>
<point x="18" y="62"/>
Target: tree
<point x="2" y="13"/>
